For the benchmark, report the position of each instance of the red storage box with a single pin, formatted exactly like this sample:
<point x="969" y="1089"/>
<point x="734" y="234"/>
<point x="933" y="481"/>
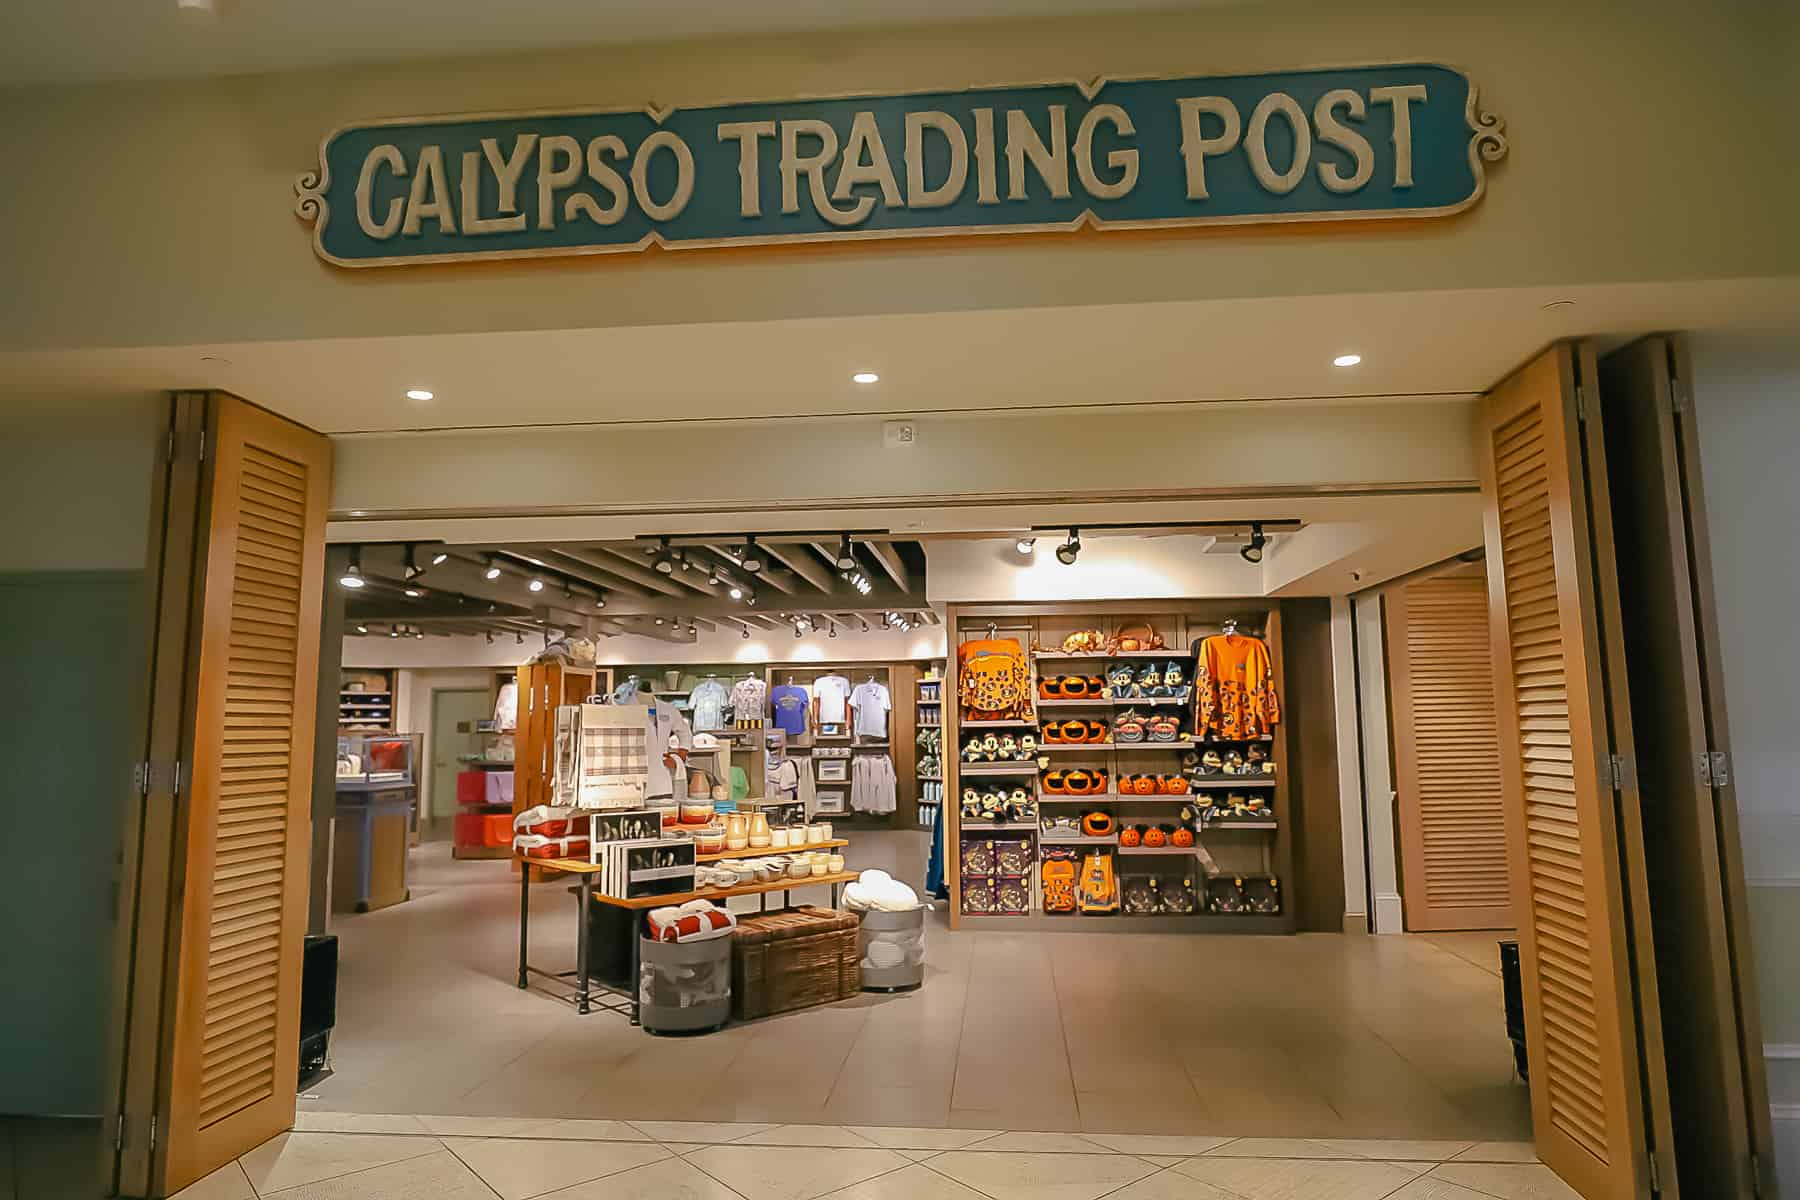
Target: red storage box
<point x="471" y="829"/>
<point x="496" y="829"/>
<point x="471" y="787"/>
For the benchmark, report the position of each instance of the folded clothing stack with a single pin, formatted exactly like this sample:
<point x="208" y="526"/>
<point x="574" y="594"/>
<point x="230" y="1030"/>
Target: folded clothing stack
<point x="880" y="892"/>
<point x="695" y="921"/>
<point x="547" y="832"/>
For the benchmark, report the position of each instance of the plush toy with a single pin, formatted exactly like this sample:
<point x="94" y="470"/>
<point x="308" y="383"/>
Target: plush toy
<point x="1098" y="783"/>
<point x="1084" y="641"/>
<point x="1020" y="806"/>
<point x="971" y="804"/>
<point x="1097" y="824"/>
<point x="1028" y="746"/>
<point x="972" y="751"/>
<point x="1182" y="837"/>
<point x="1174" y="678"/>
<point x="1234" y="763"/>
<point x="1190" y="761"/>
<point x="993" y="805"/>
<point x="1129" y="728"/>
<point x="1009" y="747"/>
<point x="1079" y="782"/>
<point x="1132" y="639"/>
<point x="1093" y="731"/>
<point x="1257" y="760"/>
<point x="1149" y="680"/>
<point x="1131" y="836"/>
<point x="1057" y="783"/>
<point x="1211" y="763"/>
<point x="1156" y="837"/>
<point x="1050" y="687"/>
<point x="1120" y="682"/>
<point x="990" y="747"/>
<point x="1163" y="728"/>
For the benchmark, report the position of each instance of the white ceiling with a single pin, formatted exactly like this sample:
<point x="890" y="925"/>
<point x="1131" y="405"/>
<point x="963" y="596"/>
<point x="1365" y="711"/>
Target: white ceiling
<point x="1450" y="344"/>
<point x="87" y="41"/>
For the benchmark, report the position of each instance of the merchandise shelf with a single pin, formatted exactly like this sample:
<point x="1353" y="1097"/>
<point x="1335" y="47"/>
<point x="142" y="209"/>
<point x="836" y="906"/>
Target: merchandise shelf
<point x="1210" y="826"/>
<point x="766" y="851"/>
<point x="1102" y="656"/>
<point x="1241" y="781"/>
<point x="985" y="826"/>
<point x="1114" y="798"/>
<point x="1012" y="768"/>
<point x="1112" y="702"/>
<point x="1165" y="851"/>
<point x="1064" y="839"/>
<point x="1007" y="723"/>
<point x="1196" y="922"/>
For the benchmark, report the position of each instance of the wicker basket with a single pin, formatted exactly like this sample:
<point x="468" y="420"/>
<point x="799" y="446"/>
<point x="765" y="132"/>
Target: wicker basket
<point x="794" y="959"/>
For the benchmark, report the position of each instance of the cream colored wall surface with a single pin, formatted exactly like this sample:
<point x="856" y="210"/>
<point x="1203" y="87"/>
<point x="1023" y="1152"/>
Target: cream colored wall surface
<point x="76" y="484"/>
<point x="1642" y="148"/>
<point x="773" y="645"/>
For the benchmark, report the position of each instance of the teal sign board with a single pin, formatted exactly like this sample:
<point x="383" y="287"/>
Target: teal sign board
<point x="1318" y="145"/>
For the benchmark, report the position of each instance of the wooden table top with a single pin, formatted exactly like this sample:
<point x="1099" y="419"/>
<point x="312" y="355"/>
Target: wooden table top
<point x="744" y="889"/>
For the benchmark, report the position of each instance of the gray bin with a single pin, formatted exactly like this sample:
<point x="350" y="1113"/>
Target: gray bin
<point x="684" y="986"/>
<point x="891" y="948"/>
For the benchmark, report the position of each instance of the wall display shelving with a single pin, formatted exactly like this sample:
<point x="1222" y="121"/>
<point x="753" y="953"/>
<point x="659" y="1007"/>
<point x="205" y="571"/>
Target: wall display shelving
<point x="366" y="702"/>
<point x="1235" y="876"/>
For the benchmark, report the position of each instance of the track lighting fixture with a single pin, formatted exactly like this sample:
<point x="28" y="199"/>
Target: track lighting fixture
<point x="439" y="559"/>
<point x="413" y="569"/>
<point x="751" y="558"/>
<point x="799" y="632"/>
<point x="352" y="577"/>
<point x="832" y="632"/>
<point x="600" y="600"/>
<point x="413" y="593"/>
<point x="712" y="577"/>
<point x="1026" y="545"/>
<point x="519" y="638"/>
<point x="737" y="593"/>
<point x="886" y="621"/>
<point x="846" y="558"/>
<point x="536" y="584"/>
<point x="492" y="607"/>
<point x="395" y="632"/>
<point x="419" y="633"/>
<point x="493" y="568"/>
<point x="665" y="560"/>
<point x="746" y="633"/>
<point x="362" y="629"/>
<point x="490" y="637"/>
<point x="864" y="623"/>
<point x="659" y="621"/>
<point x="750" y="598"/>
<point x="1253" y="550"/>
<point x="1069" y="551"/>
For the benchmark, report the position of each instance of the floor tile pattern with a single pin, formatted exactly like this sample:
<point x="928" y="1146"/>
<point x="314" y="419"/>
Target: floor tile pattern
<point x="676" y="1160"/>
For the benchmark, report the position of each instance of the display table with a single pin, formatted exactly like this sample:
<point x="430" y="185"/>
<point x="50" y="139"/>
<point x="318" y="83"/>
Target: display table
<point x="584" y="987"/>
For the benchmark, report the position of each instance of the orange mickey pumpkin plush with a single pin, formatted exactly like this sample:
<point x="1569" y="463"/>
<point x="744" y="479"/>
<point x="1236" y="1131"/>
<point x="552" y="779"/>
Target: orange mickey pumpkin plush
<point x="1131" y="835"/>
<point x="1144" y="785"/>
<point x="1057" y="782"/>
<point x="1183" y="837"/>
<point x="1097" y="824"/>
<point x="1098" y="782"/>
<point x="1155" y="837"/>
<point x="1079" y="782"/>
<point x="1051" y="687"/>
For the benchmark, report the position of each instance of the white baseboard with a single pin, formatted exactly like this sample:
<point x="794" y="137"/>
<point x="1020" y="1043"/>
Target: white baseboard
<point x="1390" y="914"/>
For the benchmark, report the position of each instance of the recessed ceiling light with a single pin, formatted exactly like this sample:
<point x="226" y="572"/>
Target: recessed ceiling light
<point x="415" y="593"/>
<point x="493" y="569"/>
<point x="536" y="585"/>
<point x="1346" y="360"/>
<point x="438" y="560"/>
<point x="865" y="377"/>
<point x="737" y="593"/>
<point x="418" y="394"/>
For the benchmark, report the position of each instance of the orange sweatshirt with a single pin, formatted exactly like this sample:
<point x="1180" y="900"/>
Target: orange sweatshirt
<point x="1235" y="687"/>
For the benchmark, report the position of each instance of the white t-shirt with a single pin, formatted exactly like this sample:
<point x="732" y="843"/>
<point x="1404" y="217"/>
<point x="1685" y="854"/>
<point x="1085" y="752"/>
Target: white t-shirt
<point x="664" y="729"/>
<point x="832" y="691"/>
<point x="870" y="700"/>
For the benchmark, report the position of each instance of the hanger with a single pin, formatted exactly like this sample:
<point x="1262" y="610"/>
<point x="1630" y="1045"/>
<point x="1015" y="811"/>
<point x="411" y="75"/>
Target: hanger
<point x="1231" y="624"/>
<point x="992" y="629"/>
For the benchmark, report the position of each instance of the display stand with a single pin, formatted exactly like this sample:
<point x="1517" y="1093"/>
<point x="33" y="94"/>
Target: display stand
<point x="373" y="814"/>
<point x="1256" y="851"/>
<point x="542" y="688"/>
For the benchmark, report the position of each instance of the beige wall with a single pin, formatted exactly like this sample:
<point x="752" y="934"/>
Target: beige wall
<point x="1645" y="145"/>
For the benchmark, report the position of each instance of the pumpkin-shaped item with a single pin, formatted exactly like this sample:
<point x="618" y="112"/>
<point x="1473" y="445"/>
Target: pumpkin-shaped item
<point x="1182" y="837"/>
<point x="1172" y="785"/>
<point x="1057" y="783"/>
<point x="1096" y="686"/>
<point x="1051" y="687"/>
<point x="1156" y="837"/>
<point x="1094" y="731"/>
<point x="1097" y="824"/>
<point x="1053" y="733"/>
<point x="1146" y="785"/>
<point x="1097" y="782"/>
<point x="1079" y="781"/>
<point x="1072" y="687"/>
<point x="1131" y="835"/>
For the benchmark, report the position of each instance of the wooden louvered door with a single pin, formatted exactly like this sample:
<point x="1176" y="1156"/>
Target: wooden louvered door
<point x="1599" y="1095"/>
<point x="1452" y="816"/>
<point x="233" y="1040"/>
<point x="1698" y="896"/>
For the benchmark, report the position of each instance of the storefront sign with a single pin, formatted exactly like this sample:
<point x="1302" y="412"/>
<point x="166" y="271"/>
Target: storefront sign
<point x="1325" y="145"/>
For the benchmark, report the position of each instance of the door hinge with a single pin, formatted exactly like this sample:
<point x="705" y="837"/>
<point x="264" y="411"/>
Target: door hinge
<point x="1581" y="406"/>
<point x="1655" y="1174"/>
<point x="1677" y="396"/>
<point x="1721" y="768"/>
<point x="1619" y="770"/>
<point x="1756" y="1187"/>
<point x="119" y="1135"/>
<point x="200" y="454"/>
<point x="169" y="450"/>
<point x="145" y="777"/>
<point x="140" y="780"/>
<point x="153" y="1132"/>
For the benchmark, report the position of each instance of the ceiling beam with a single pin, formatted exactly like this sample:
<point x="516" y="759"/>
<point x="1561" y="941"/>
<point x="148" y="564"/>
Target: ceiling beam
<point x="772" y="578"/>
<point x="890" y="561"/>
<point x="798" y="559"/>
<point x="595" y="574"/>
<point x="604" y="558"/>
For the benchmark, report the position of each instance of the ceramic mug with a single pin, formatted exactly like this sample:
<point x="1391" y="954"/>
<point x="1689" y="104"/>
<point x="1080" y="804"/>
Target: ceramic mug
<point x="835" y="863"/>
<point x="824" y="830"/>
<point x="818" y="833"/>
<point x="778" y="839"/>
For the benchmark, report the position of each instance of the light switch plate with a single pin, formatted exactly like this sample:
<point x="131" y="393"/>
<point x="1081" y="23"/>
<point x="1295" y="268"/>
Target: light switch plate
<point x="898" y="433"/>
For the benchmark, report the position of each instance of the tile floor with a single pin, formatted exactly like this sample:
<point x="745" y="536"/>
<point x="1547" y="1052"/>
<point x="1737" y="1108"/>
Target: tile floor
<point x="342" y="1156"/>
<point x="1315" y="1036"/>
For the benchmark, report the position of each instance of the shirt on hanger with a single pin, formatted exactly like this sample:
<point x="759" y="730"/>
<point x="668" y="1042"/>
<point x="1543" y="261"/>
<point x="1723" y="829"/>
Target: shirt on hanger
<point x="871" y="702"/>
<point x="708" y="700"/>
<point x="790" y="705"/>
<point x="781" y="780"/>
<point x="747" y="697"/>
<point x="506" y="706"/>
<point x="832" y="691"/>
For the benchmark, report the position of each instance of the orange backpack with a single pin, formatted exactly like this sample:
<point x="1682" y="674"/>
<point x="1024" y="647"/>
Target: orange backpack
<point x="993" y="679"/>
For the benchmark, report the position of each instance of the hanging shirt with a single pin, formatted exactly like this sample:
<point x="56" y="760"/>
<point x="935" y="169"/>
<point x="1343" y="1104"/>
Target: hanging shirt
<point x="832" y="691"/>
<point x="506" y="706"/>
<point x="1234" y="686"/>
<point x="871" y="702"/>
<point x="627" y="692"/>
<point x="747" y="696"/>
<point x="790" y="705"/>
<point x="708" y="700"/>
<point x="872" y="784"/>
<point x="781" y="780"/>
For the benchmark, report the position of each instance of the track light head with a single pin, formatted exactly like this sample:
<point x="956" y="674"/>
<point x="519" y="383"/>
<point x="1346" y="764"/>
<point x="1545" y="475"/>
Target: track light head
<point x="490" y="637"/>
<point x="750" y="598"/>
<point x="352" y="577"/>
<point x="665" y="559"/>
<point x="362" y="629"/>
<point x="439" y="559"/>
<point x="600" y="600"/>
<point x="1026" y="545"/>
<point x="519" y="638"/>
<point x="749" y="557"/>
<point x="493" y="568"/>
<point x="846" y="555"/>
<point x="746" y="633"/>
<point x="1069" y="551"/>
<point x="413" y="569"/>
<point x="1252" y="551"/>
<point x="737" y="593"/>
<point x="536" y="584"/>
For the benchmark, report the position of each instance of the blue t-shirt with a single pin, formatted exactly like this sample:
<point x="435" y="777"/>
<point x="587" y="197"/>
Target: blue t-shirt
<point x="790" y="704"/>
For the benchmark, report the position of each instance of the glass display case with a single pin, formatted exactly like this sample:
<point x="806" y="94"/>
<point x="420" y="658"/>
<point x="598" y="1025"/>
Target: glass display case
<point x="368" y="761"/>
